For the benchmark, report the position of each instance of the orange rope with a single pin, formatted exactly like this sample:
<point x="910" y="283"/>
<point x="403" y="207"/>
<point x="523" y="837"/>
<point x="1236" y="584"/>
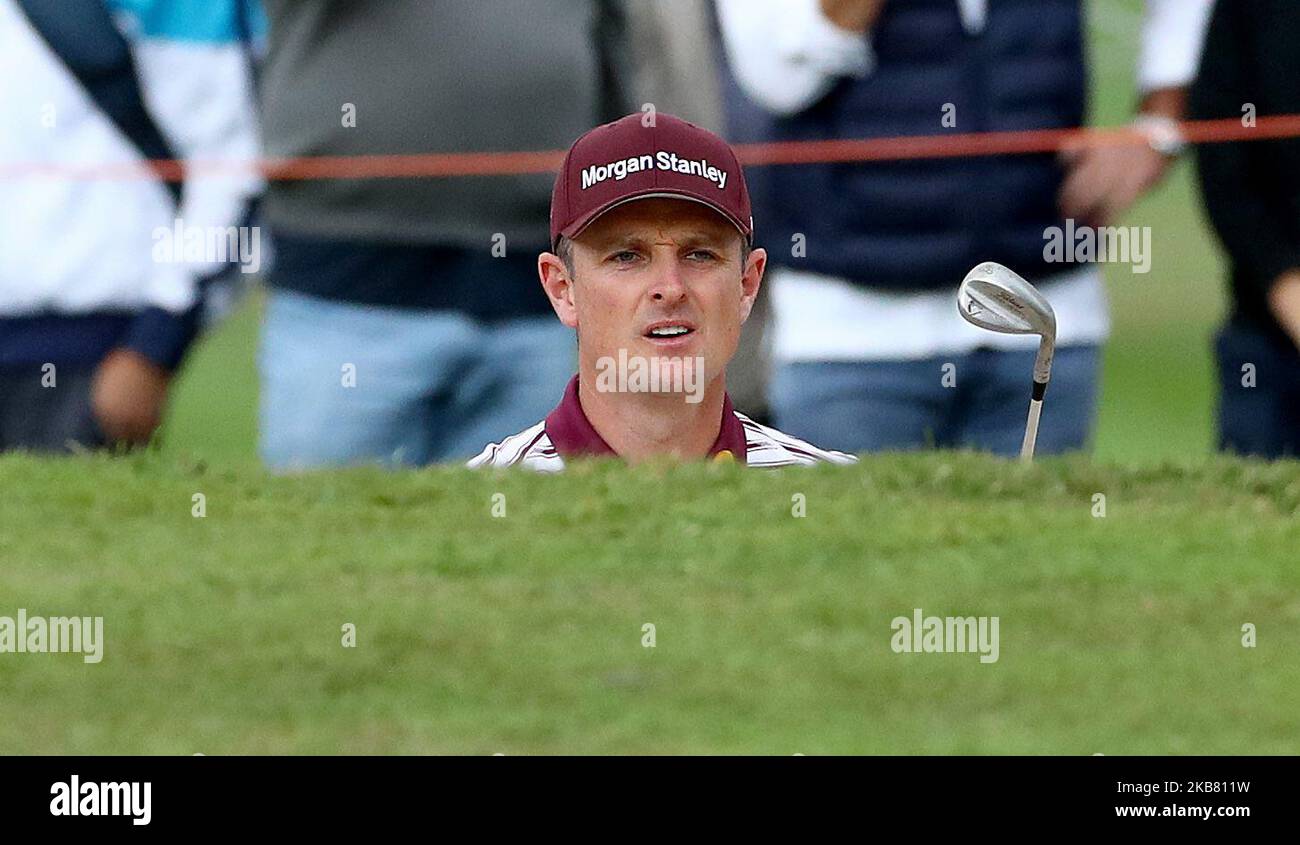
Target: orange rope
<point x="792" y="152"/>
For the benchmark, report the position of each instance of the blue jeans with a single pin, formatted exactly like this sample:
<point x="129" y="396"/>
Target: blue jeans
<point x="1259" y="405"/>
<point x="871" y="406"/>
<point x="428" y="385"/>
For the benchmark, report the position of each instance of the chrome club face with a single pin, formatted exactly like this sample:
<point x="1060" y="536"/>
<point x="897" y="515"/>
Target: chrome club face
<point x="995" y="298"/>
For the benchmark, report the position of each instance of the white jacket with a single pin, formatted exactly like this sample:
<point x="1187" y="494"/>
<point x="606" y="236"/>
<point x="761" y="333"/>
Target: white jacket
<point x="75" y="245"/>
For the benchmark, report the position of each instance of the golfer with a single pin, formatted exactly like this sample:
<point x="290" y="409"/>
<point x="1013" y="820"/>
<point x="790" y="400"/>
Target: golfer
<point x="654" y="268"/>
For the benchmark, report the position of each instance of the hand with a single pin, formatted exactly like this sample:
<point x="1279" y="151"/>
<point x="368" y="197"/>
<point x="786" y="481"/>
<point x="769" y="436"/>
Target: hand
<point x="1102" y="182"/>
<point x="128" y="395"/>
<point x="853" y="15"/>
<point x="1284" y="301"/>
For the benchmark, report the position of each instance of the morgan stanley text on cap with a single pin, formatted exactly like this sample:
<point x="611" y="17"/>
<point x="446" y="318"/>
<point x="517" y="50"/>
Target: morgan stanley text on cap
<point x="629" y="160"/>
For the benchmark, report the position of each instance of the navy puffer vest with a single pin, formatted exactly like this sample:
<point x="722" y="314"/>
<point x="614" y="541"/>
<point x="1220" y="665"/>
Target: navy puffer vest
<point x="921" y="225"/>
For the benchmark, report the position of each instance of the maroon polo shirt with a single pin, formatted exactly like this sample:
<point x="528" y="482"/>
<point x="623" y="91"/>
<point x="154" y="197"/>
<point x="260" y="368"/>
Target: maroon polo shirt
<point x="573" y="435"/>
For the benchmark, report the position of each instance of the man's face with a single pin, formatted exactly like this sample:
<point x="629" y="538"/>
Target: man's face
<point x="644" y="271"/>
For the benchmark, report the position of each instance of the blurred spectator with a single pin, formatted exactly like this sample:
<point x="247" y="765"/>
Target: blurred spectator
<point x="97" y="305"/>
<point x="870" y="351"/>
<point x="406" y="322"/>
<point x="1250" y="70"/>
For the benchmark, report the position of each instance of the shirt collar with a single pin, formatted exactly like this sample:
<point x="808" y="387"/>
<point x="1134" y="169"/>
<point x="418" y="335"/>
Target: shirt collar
<point x="573" y="435"/>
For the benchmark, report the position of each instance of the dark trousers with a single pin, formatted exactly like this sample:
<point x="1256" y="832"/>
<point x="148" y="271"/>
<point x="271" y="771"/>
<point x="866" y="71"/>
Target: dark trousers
<point x="1259" y="393"/>
<point x="38" y="418"/>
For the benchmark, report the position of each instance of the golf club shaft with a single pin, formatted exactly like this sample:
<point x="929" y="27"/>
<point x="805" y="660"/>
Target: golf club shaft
<point x="1031" y="427"/>
<point x="1031" y="431"/>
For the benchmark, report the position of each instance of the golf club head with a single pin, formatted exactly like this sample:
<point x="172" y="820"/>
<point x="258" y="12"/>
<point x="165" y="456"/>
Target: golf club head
<point x="998" y="299"/>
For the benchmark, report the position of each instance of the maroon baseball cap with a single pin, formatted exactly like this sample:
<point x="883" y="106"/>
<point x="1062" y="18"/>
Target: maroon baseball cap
<point x="647" y="155"/>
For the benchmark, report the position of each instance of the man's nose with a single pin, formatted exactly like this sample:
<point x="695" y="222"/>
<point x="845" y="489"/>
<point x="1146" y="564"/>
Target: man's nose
<point x="668" y="285"/>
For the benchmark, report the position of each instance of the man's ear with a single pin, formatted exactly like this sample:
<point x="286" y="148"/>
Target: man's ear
<point x="558" y="287"/>
<point x="751" y="281"/>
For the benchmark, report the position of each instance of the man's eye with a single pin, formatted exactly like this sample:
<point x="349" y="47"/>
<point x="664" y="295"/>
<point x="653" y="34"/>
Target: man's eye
<point x="627" y="256"/>
<point x="701" y="255"/>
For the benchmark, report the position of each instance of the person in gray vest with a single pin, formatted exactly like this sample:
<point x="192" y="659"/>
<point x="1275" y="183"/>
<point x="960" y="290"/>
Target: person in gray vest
<point x="405" y="323"/>
<point x="870" y="351"/>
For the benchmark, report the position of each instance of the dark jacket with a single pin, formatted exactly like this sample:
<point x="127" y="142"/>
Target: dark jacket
<point x="1252" y="188"/>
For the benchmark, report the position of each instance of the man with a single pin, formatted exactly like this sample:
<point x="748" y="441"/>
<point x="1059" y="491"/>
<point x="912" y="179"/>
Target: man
<point x="1251" y="67"/>
<point x="652" y="264"/>
<point x="98" y="303"/>
<point x="870" y="352"/>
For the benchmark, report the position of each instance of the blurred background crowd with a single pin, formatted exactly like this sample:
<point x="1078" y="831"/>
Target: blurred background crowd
<point x="399" y="319"/>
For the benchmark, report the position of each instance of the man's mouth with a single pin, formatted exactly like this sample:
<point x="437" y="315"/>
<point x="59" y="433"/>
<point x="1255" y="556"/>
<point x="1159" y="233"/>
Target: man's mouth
<point x="669" y="330"/>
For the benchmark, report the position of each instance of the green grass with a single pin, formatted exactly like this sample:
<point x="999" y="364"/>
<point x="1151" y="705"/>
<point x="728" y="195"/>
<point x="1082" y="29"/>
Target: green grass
<point x="522" y="634"/>
<point x="214" y="401"/>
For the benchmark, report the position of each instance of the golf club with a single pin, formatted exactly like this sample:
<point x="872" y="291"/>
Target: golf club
<point x="995" y="298"/>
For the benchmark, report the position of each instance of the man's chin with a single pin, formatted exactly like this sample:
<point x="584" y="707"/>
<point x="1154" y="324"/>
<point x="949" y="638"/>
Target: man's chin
<point x="650" y="369"/>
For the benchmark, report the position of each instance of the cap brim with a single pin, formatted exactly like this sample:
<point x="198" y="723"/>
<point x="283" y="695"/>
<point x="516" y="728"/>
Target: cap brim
<point x="577" y="227"/>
